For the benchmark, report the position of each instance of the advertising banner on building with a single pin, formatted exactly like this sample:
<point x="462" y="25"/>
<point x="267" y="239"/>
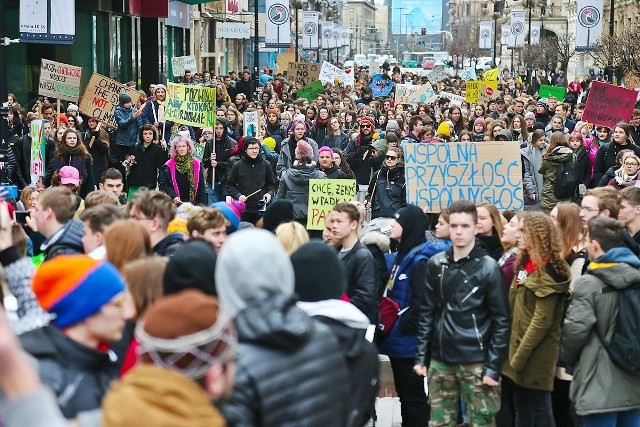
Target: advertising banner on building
<point x="486" y="34"/>
<point x="47" y="21"/>
<point x="517" y="33"/>
<point x="535" y="32"/>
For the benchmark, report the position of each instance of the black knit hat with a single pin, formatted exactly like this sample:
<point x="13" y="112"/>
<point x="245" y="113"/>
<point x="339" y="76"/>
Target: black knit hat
<point x="414" y="225"/>
<point x="123" y="98"/>
<point x="192" y="266"/>
<point x="278" y="212"/>
<point x="319" y="273"/>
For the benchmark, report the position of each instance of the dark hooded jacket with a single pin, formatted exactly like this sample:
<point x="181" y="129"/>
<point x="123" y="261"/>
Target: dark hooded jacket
<point x="359" y="156"/>
<point x="78" y="375"/>
<point x="223" y="148"/>
<point x="68" y="242"/>
<point x="286" y="361"/>
<point x="387" y="192"/>
<point x="334" y="172"/>
<point x="464" y="317"/>
<point x="294" y="186"/>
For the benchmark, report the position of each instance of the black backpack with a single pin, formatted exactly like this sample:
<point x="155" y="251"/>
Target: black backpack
<point x="624" y="348"/>
<point x="566" y="179"/>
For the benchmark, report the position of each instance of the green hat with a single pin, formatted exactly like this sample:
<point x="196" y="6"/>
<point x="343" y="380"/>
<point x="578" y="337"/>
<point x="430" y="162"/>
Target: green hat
<point x="123" y="98"/>
<point x="380" y="146"/>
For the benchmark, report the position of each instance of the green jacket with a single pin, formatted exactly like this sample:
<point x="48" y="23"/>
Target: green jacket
<point x="537" y="305"/>
<point x="598" y="385"/>
<point x="548" y="199"/>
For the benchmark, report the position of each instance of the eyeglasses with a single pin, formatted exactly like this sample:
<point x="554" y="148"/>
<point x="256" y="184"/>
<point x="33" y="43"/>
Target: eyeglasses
<point x="390" y="157"/>
<point x="585" y="209"/>
<point x="630" y="164"/>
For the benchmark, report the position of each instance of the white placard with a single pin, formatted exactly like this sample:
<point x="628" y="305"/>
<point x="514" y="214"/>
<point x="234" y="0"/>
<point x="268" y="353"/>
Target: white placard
<point x="182" y="64"/>
<point x="60" y="80"/>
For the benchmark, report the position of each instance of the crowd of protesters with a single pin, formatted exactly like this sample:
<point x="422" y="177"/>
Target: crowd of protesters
<point x="163" y="274"/>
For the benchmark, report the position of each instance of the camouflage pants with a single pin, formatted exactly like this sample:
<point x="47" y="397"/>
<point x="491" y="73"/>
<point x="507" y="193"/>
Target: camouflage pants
<point x="449" y="382"/>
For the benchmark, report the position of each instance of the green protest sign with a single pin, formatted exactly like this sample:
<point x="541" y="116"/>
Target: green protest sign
<point x="311" y="91"/>
<point x="548" y="91"/>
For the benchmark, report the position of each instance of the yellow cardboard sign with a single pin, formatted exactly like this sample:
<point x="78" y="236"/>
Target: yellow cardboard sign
<point x="439" y="174"/>
<point x="323" y="196"/>
<point x="191" y="105"/>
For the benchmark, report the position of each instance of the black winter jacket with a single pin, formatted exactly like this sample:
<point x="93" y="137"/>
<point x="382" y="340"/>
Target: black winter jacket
<point x="144" y="173"/>
<point x="334" y="172"/>
<point x="464" y="316"/>
<point x="247" y="176"/>
<point x="290" y="369"/>
<point x="359" y="156"/>
<point x="67" y="243"/>
<point x="78" y="375"/>
<point x="362" y="280"/>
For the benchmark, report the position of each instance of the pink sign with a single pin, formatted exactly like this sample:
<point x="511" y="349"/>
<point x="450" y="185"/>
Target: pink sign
<point x="609" y="104"/>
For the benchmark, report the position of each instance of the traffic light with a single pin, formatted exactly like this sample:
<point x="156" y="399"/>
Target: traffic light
<point x="424" y="31"/>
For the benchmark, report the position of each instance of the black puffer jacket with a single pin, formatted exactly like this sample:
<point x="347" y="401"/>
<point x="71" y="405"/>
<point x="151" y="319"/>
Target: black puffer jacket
<point x="290" y="369"/>
<point x="67" y="243"/>
<point x="464" y="317"/>
<point x="78" y="375"/>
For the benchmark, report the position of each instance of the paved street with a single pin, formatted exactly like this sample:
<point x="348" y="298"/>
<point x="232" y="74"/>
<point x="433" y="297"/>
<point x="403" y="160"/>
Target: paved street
<point x="388" y="403"/>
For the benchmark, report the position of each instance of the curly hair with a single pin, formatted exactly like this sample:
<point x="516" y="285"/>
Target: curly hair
<point x="544" y="244"/>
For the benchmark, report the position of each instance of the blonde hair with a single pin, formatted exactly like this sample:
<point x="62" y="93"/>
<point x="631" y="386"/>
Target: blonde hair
<point x="291" y="235"/>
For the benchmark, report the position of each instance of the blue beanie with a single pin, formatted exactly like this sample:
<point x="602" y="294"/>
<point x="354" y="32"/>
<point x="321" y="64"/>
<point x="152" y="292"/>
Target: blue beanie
<point x="232" y="212"/>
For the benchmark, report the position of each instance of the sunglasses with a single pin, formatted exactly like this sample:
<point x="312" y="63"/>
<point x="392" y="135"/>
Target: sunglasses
<point x="390" y="157"/>
<point x="365" y="127"/>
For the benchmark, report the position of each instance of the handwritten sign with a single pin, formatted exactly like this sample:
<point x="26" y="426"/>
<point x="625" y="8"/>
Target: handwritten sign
<point x="609" y="104"/>
<point x="473" y="90"/>
<point x="403" y="91"/>
<point x="323" y="196"/>
<point x="191" y="105"/>
<point x="329" y="73"/>
<point x="547" y="91"/>
<point x="424" y="95"/>
<point x="439" y="174"/>
<point x="38" y="144"/>
<point x="307" y="73"/>
<point x="100" y="98"/>
<point x="438" y="74"/>
<point x="60" y="80"/>
<point x="488" y="92"/>
<point x="251" y="123"/>
<point x="381" y="85"/>
<point x="454" y="99"/>
<point x="311" y="91"/>
<point x="180" y="64"/>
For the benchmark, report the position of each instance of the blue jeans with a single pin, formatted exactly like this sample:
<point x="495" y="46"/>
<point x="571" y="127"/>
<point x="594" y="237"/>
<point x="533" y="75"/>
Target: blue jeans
<point x="217" y="193"/>
<point x="613" y="419"/>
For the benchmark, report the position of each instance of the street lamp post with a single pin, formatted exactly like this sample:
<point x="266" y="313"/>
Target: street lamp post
<point x="495" y="16"/>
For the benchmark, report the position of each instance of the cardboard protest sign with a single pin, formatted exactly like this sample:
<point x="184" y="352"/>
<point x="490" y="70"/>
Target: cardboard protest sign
<point x="468" y="74"/>
<point x="251" y="123"/>
<point x="323" y="196"/>
<point x="329" y="73"/>
<point x="488" y="93"/>
<point x="438" y="73"/>
<point x="100" y="98"/>
<point x="38" y="144"/>
<point x="191" y="105"/>
<point x="311" y="91"/>
<point x="307" y="73"/>
<point x="425" y="94"/>
<point x="438" y="174"/>
<point x="403" y="91"/>
<point x="474" y="89"/>
<point x="454" y="99"/>
<point x="609" y="104"/>
<point x="59" y="80"/>
<point x="547" y="91"/>
<point x="180" y="64"/>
